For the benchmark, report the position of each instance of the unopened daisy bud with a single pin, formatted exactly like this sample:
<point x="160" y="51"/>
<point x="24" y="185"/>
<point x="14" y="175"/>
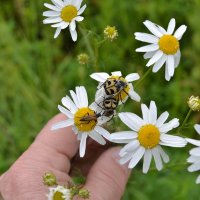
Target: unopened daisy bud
<point x="74" y="191"/>
<point x="49" y="179"/>
<point x="84" y="193"/>
<point x="83" y="59"/>
<point x="194" y="103"/>
<point x="110" y="33"/>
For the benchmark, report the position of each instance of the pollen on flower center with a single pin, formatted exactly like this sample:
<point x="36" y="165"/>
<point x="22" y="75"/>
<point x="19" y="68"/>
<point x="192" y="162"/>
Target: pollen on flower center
<point x="123" y="92"/>
<point x="85" y="120"/>
<point x="149" y="136"/>
<point x="58" y="196"/>
<point x="68" y="13"/>
<point x="168" y="44"/>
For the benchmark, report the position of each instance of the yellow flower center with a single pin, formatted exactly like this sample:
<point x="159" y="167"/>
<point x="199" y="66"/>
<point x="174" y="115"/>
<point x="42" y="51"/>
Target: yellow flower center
<point x="168" y="44"/>
<point x="58" y="196"/>
<point x="149" y="136"/>
<point x="123" y="93"/>
<point x="85" y="120"/>
<point x="68" y="13"/>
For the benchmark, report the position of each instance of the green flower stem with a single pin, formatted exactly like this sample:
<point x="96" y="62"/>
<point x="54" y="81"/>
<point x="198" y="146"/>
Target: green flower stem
<point x="185" y="120"/>
<point x="143" y="77"/>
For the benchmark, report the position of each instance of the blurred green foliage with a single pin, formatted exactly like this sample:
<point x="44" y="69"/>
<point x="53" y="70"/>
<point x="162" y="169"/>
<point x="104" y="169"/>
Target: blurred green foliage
<point x="36" y="71"/>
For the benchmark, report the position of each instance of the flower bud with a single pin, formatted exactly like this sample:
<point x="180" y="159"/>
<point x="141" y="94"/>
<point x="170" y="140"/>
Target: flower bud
<point x="49" y="179"/>
<point x="194" y="103"/>
<point x="110" y="33"/>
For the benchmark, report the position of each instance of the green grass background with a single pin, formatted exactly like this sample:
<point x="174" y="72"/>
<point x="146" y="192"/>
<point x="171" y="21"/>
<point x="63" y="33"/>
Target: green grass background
<point x="36" y="71"/>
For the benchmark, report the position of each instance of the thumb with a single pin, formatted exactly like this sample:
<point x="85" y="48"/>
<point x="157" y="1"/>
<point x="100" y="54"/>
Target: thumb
<point x="107" y="178"/>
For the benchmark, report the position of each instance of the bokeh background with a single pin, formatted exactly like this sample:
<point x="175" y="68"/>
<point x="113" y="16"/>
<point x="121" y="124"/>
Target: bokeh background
<point x="36" y="71"/>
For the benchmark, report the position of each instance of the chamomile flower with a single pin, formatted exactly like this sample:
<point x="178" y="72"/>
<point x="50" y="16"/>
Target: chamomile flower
<point x="146" y="137"/>
<point x="82" y="118"/>
<point x="64" y="13"/>
<point x="116" y="85"/>
<point x="164" y="46"/>
<point x="59" y="193"/>
<point x="194" y="158"/>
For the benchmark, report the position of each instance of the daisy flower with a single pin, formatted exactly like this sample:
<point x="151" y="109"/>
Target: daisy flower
<point x="146" y="137"/>
<point x="64" y="13"/>
<point x="164" y="46"/>
<point x="59" y="192"/>
<point x="194" y="158"/>
<point x="76" y="111"/>
<point x="108" y="86"/>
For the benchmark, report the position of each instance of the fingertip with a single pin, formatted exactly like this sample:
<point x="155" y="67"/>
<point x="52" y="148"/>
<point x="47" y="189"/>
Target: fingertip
<point x="108" y="177"/>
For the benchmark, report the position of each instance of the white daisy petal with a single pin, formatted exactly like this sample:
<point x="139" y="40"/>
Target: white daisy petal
<point x="82" y="147"/>
<point x="171" y="140"/>
<point x="161" y="120"/>
<point x="131" y="120"/>
<point x="73" y="35"/>
<point x="125" y="158"/>
<point x="52" y="20"/>
<point x="152" y="28"/>
<point x="97" y="137"/>
<point x="69" y="104"/>
<point x="149" y="54"/>
<point x="117" y="73"/>
<point x="64" y="25"/>
<point x="163" y="155"/>
<point x="60" y="24"/>
<point x="130" y="147"/>
<point x="174" y="123"/>
<point x="75" y="98"/>
<point x="180" y="31"/>
<point x="102" y="132"/>
<point x="82" y="10"/>
<point x="155" y="58"/>
<point x="78" y="3"/>
<point x="195" y="151"/>
<point x="51" y="14"/>
<point x="123" y="135"/>
<point x="197" y="128"/>
<point x="159" y="63"/>
<point x="147" y="48"/>
<point x="132" y="77"/>
<point x="161" y="29"/>
<point x="145" y="113"/>
<point x="167" y="77"/>
<point x="152" y="113"/>
<point x="136" y="157"/>
<point x="194" y="142"/>
<point x="198" y="180"/>
<point x="177" y="58"/>
<point x="58" y="30"/>
<point x="145" y="37"/>
<point x="83" y="97"/>
<point x="157" y="158"/>
<point x="63" y="124"/>
<point x="133" y="95"/>
<point x="170" y="65"/>
<point x="101" y="77"/>
<point x="79" y="18"/>
<point x="51" y="7"/>
<point x="65" y="111"/>
<point x="193" y="159"/>
<point x="121" y="141"/>
<point x="147" y="161"/>
<point x="171" y="26"/>
<point x="72" y="25"/>
<point x="58" y="3"/>
<point x="194" y="167"/>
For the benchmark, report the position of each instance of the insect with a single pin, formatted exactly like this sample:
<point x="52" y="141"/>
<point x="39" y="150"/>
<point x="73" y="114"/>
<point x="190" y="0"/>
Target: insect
<point x="88" y="118"/>
<point x="113" y="86"/>
<point x="108" y="106"/>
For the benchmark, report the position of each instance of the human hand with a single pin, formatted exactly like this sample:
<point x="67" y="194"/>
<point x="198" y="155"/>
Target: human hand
<point x="56" y="152"/>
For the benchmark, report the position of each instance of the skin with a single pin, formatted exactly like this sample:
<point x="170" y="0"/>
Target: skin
<point x="57" y="152"/>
